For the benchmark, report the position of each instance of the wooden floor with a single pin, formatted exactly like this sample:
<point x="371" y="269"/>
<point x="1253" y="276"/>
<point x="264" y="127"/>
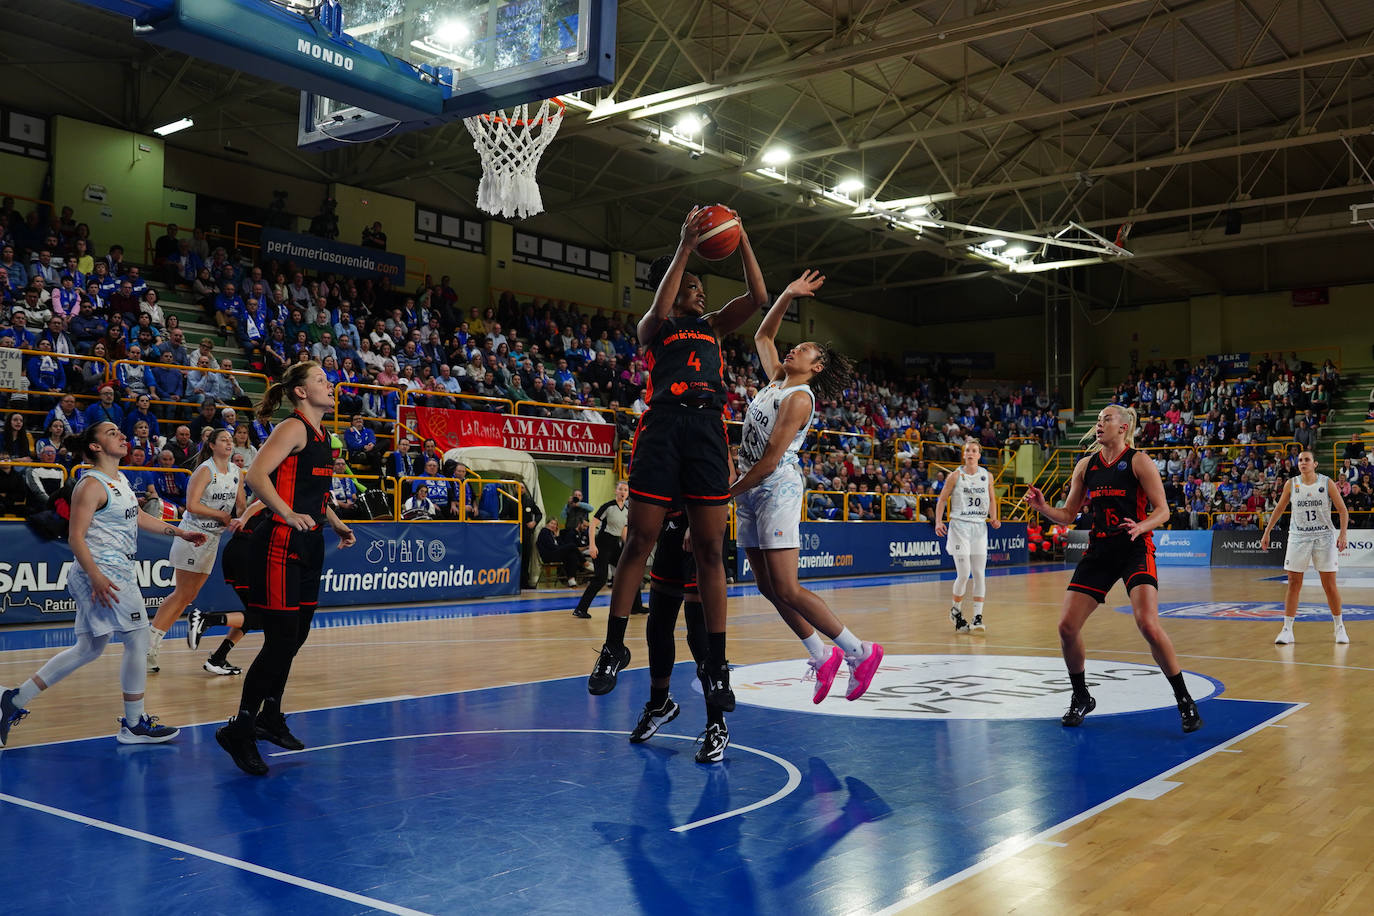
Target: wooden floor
<point x="1279" y="823"/>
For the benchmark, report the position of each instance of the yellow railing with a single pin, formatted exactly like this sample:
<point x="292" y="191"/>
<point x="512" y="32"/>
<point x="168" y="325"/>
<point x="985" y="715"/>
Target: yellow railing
<point x="508" y="488"/>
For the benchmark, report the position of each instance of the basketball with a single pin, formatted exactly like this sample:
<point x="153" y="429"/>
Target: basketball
<point x="720" y="238"/>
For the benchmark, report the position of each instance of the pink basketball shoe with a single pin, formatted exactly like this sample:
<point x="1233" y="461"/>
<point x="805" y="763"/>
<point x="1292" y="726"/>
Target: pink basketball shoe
<point x="825" y="673"/>
<point x="861" y="672"/>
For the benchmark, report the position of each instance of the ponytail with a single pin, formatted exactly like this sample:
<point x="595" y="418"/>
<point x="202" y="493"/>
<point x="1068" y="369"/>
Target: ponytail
<point x="293" y="377"/>
<point x="1127" y="415"/>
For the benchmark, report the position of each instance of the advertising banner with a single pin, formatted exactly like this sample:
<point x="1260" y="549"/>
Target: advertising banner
<point x="1231" y="364"/>
<point x="858" y="548"/>
<point x="465" y="428"/>
<point x="391" y="563"/>
<point x="1242" y="548"/>
<point x="1183" y="548"/>
<point x="311" y="252"/>
<point x="1359" y="550"/>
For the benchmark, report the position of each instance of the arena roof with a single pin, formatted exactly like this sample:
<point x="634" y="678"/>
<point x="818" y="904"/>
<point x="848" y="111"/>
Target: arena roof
<point x="996" y="116"/>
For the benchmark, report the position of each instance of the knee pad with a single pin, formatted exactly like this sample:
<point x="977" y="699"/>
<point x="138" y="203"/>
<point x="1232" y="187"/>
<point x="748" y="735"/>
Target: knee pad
<point x="658" y="633"/>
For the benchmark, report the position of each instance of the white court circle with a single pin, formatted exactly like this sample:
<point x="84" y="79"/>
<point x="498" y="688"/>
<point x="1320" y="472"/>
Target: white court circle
<point x="944" y="687"/>
<point x="793" y="774"/>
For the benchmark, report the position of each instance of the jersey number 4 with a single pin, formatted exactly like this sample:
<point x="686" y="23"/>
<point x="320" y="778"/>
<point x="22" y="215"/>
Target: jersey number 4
<point x="694" y="361"/>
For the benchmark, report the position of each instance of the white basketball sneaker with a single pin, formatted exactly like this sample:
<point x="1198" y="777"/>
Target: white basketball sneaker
<point x="1285" y="637"/>
<point x="1341" y="638"/>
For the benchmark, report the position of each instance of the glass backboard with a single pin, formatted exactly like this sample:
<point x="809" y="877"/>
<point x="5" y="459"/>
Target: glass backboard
<point x="484" y="54"/>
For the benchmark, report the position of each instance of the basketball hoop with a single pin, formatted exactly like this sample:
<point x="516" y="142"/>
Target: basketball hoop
<point x="510" y="144"/>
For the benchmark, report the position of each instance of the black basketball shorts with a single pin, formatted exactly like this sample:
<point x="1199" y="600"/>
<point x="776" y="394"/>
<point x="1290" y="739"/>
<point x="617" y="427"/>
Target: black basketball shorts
<point x="282" y="568"/>
<point x="680" y="455"/>
<point x="1115" y="557"/>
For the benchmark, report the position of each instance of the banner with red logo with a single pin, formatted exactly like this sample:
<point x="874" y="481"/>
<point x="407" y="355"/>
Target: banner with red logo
<point x="465" y="428"/>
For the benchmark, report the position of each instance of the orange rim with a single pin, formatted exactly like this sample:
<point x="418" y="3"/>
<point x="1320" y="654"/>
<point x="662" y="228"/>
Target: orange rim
<point x="524" y="122"/>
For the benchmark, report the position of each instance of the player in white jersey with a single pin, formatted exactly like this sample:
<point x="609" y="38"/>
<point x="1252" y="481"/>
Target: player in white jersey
<point x="973" y="506"/>
<point x="768" y="494"/>
<point x="1312" y="541"/>
<point x="214" y="498"/>
<point x="105" y="520"/>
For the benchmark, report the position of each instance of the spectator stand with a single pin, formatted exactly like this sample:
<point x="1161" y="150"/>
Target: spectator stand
<point x="17" y="503"/>
<point x="16" y="388"/>
<point x="150" y="240"/>
<point x="586" y="311"/>
<point x="505" y="492"/>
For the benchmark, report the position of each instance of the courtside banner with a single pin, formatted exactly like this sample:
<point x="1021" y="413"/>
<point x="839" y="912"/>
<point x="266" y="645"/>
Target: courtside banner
<point x="857" y="548"/>
<point x="1359" y="551"/>
<point x="1183" y="548"/>
<point x="1242" y="548"/>
<point x="308" y="251"/>
<point x="464" y="428"/>
<point x="392" y="562"/>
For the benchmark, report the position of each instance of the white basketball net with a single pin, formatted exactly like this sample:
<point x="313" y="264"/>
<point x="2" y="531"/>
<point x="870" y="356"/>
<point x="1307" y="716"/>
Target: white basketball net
<point x="510" y="144"/>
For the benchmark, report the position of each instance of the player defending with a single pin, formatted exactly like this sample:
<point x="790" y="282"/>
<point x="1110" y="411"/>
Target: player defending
<point x="1120" y="482"/>
<point x="680" y="449"/>
<point x="105" y="521"/>
<point x="1312" y="539"/>
<point x="214" y="496"/>
<point x="768" y="494"/>
<point x="968" y="492"/>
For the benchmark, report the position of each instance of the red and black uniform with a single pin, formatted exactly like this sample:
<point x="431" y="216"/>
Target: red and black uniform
<point x="1115" y="496"/>
<point x="282" y="569"/>
<point x="681" y="438"/>
<point x="286" y="573"/>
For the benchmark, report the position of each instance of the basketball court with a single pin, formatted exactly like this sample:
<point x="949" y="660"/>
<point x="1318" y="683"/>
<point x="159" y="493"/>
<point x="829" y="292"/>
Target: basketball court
<point x="454" y="760"/>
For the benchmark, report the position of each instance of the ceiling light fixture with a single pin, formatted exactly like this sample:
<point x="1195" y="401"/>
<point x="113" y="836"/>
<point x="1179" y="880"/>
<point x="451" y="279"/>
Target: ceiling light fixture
<point x="778" y="155"/>
<point x="173" y="127"/>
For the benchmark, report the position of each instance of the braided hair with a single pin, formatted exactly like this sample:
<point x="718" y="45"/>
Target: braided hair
<point x="830" y="383"/>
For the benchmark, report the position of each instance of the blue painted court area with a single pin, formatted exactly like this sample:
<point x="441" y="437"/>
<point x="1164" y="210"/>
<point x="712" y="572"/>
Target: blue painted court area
<point x="529" y="799"/>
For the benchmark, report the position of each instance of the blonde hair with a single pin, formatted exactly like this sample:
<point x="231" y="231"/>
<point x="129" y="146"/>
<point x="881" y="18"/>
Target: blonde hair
<point x="1126" y="415"/>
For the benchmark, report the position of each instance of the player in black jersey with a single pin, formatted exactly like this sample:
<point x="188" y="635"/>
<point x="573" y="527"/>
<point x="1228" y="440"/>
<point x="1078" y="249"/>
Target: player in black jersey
<point x="236" y="564"/>
<point x="1127" y="502"/>
<point x="291" y="475"/>
<point x="673" y="581"/>
<point x="680" y="449"/>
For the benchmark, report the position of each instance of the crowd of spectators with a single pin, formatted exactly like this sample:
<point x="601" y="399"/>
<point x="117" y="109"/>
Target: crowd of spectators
<point x="877" y="443"/>
<point x="1211" y="403"/>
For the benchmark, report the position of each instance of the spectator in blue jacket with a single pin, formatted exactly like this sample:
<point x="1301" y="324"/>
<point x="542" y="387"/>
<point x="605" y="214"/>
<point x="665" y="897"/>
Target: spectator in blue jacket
<point x="134" y="378"/>
<point x="105" y="408"/>
<point x="47" y="378"/>
<point x="142" y="410"/>
<point x="228" y="305"/>
<point x="66" y="410"/>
